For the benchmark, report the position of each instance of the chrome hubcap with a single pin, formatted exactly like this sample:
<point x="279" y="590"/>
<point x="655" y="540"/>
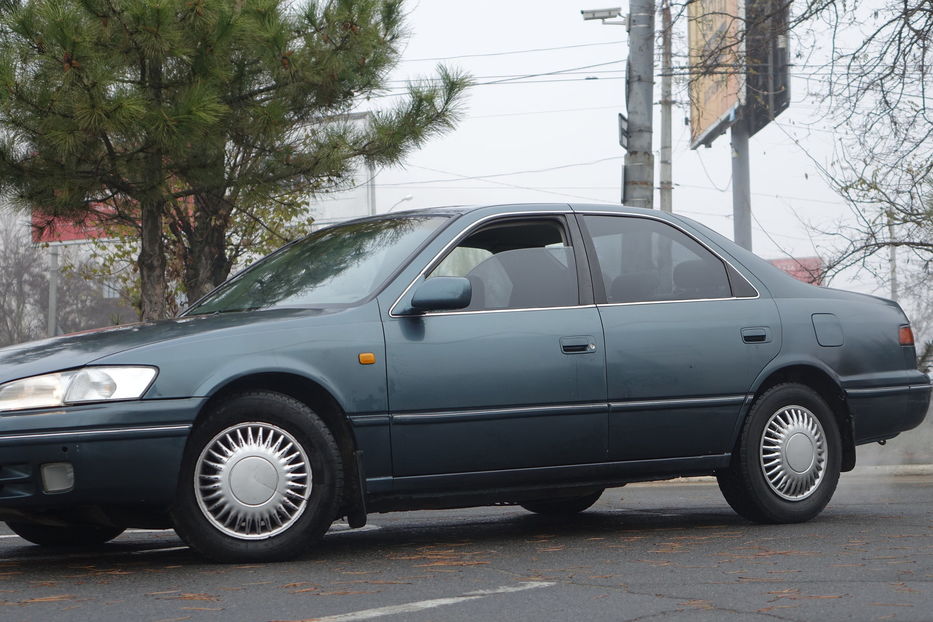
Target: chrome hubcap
<point x="253" y="481"/>
<point x="793" y="453"/>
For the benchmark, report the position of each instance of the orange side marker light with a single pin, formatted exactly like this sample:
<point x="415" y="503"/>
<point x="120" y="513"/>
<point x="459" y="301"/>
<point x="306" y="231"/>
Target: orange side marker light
<point x="367" y="358"/>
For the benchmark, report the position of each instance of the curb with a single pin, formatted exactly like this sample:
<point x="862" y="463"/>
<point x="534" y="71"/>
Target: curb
<point x="900" y="470"/>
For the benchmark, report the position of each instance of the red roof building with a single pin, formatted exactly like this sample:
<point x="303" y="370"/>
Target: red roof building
<point x="806" y="269"/>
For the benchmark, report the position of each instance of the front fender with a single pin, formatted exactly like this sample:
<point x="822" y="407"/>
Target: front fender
<point x="348" y="401"/>
<point x="324" y="349"/>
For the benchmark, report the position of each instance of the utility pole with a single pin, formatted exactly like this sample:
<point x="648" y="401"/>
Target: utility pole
<point x="667" y="178"/>
<point x="638" y="174"/>
<point x="638" y="186"/>
<point x="741" y="186"/>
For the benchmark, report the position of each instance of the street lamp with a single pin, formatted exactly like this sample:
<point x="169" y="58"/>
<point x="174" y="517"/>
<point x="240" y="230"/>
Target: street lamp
<point x="604" y="15"/>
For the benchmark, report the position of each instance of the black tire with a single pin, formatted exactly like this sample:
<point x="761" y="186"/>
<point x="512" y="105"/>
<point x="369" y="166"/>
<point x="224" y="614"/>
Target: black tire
<point x="272" y="442"/>
<point x="801" y="427"/>
<point x="66" y="535"/>
<point x="563" y="506"/>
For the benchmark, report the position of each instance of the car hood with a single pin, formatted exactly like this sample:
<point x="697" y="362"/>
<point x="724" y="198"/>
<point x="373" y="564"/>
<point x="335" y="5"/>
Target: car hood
<point x="77" y="349"/>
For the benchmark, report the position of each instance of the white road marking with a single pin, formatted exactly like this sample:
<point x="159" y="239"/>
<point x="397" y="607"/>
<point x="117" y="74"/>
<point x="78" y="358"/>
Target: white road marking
<point x="421" y="605"/>
<point x="338" y="528"/>
<point x="13" y="535"/>
<point x="174" y="548"/>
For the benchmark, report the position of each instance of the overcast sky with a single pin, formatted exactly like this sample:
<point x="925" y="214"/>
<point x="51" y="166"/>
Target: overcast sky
<point x="553" y="138"/>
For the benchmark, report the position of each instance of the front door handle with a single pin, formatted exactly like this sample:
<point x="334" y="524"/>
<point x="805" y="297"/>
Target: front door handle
<point x="580" y="344"/>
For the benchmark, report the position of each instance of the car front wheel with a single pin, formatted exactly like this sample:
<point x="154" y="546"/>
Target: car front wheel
<point x="260" y="480"/>
<point x="786" y="463"/>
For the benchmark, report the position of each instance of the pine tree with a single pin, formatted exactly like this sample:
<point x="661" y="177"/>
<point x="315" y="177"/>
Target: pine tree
<point x="174" y="117"/>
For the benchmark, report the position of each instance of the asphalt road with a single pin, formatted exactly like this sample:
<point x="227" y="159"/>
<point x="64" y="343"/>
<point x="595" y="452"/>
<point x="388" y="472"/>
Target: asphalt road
<point x="668" y="551"/>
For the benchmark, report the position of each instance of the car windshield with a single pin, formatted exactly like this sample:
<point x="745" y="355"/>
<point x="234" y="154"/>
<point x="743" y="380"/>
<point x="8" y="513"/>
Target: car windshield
<point x="337" y="265"/>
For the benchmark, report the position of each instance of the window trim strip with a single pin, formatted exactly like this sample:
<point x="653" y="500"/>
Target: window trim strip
<point x="585" y="234"/>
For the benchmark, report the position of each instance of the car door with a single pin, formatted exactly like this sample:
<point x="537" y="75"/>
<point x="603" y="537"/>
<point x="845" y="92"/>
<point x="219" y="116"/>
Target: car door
<point x="686" y="336"/>
<point x="516" y="379"/>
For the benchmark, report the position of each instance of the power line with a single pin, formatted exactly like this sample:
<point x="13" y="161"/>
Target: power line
<point x="564" y="72"/>
<point x="508" y="53"/>
<point x="460" y="177"/>
<point x="399" y="91"/>
<point x="420" y="184"/>
<point x="508" y="185"/>
<point x="530" y="112"/>
<point x="552" y="73"/>
<point x="782" y="197"/>
<point x="414" y="185"/>
<point x="709" y="178"/>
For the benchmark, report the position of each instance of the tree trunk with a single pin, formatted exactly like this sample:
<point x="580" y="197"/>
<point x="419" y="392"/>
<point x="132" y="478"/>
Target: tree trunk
<point x="208" y="265"/>
<point x="153" y="288"/>
<point x="151" y="261"/>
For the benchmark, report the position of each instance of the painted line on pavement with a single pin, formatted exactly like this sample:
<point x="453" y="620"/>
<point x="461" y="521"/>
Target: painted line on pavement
<point x="146" y="551"/>
<point x="422" y="605"/>
<point x="13" y="535"/>
<point x="336" y="529"/>
<point x="340" y="528"/>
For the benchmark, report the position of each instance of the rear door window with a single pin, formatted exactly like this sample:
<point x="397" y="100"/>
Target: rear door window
<point x="645" y="260"/>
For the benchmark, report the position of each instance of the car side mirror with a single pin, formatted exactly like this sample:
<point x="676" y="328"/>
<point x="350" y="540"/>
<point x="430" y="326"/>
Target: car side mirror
<point x="442" y="293"/>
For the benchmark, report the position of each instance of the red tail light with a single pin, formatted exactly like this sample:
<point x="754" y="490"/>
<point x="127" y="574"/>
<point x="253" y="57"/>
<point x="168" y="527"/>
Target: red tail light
<point x="905" y="336"/>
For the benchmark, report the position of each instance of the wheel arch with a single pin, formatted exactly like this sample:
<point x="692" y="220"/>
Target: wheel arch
<point x="824" y="382"/>
<point x="324" y="405"/>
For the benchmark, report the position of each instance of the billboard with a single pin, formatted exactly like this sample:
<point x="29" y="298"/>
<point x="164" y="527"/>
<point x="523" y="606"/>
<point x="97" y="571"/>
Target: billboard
<point x="767" y="68"/>
<point x="739" y="65"/>
<point x="717" y="86"/>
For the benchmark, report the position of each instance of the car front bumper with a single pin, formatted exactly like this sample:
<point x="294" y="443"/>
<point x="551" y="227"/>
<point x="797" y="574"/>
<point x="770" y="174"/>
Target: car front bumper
<point x="119" y="453"/>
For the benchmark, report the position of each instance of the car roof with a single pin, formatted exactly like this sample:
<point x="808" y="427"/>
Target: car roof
<point x="581" y="207"/>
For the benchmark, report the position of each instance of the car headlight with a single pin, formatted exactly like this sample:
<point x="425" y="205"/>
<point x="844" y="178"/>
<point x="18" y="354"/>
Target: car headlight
<point x="89" y="384"/>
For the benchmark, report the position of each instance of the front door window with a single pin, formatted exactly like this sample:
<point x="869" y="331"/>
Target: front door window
<point x="516" y="265"/>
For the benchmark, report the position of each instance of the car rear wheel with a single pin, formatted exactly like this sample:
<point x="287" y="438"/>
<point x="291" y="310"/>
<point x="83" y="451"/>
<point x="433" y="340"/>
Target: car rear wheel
<point x="64" y="535"/>
<point x="786" y="464"/>
<point x="563" y="505"/>
<point x="260" y="480"/>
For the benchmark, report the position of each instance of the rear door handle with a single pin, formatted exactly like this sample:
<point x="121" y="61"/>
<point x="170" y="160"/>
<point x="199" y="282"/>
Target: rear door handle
<point x="581" y="344"/>
<point x="756" y="334"/>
